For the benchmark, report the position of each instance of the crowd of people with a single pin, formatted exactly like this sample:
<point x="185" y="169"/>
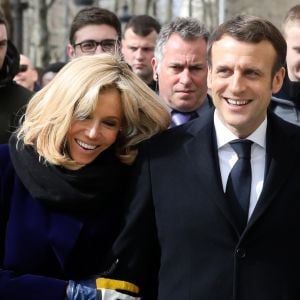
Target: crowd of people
<point x="159" y="162"/>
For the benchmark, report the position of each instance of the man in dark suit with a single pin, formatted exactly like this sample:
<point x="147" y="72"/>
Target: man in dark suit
<point x="180" y="68"/>
<point x="182" y="209"/>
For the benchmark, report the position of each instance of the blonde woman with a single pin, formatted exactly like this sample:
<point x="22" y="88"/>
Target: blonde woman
<point x="63" y="176"/>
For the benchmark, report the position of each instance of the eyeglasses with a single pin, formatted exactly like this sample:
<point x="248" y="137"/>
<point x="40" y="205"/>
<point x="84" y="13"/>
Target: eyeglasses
<point x="90" y="46"/>
<point x="23" y="68"/>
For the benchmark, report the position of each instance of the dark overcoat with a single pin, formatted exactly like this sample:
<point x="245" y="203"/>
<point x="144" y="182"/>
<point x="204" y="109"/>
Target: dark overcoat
<point x="180" y="214"/>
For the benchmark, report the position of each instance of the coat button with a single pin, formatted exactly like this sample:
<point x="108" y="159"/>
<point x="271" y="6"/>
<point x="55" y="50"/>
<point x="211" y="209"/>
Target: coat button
<point x="240" y="253"/>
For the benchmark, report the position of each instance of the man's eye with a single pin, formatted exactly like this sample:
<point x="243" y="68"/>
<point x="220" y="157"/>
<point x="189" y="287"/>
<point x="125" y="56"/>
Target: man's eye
<point x="108" y="44"/>
<point x="148" y="49"/>
<point x="196" y="68"/>
<point x="176" y="68"/>
<point x="3" y="44"/>
<point x="133" y="48"/>
<point x="222" y="72"/>
<point x="88" y="45"/>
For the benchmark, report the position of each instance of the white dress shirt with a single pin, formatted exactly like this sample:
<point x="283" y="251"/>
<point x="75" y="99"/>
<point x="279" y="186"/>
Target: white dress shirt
<point x="228" y="157"/>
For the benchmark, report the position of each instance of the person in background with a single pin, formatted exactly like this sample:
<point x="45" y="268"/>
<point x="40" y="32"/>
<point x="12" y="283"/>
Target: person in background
<point x="186" y="215"/>
<point x="63" y="177"/>
<point x="180" y="68"/>
<point x="27" y="75"/>
<point x="94" y="30"/>
<point x="49" y="72"/>
<point x="286" y="103"/>
<point x="13" y="96"/>
<point x="138" y="42"/>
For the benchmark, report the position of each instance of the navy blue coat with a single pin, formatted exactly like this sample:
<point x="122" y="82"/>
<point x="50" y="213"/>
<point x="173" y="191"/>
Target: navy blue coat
<point x="40" y="249"/>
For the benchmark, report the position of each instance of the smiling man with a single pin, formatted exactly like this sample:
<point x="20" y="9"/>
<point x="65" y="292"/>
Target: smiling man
<point x="186" y="218"/>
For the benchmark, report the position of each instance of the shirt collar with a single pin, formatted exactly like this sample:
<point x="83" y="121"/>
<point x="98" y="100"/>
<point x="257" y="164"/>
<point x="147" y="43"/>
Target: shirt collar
<point x="224" y="135"/>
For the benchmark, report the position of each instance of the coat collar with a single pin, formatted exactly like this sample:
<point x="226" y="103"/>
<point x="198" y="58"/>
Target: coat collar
<point x="201" y="150"/>
<point x="282" y="150"/>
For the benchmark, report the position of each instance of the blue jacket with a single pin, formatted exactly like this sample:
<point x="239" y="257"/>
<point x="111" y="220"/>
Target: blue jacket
<point x="40" y="249"/>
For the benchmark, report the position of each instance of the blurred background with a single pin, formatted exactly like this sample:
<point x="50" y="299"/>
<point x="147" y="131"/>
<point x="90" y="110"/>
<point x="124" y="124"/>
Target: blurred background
<point x="40" y="28"/>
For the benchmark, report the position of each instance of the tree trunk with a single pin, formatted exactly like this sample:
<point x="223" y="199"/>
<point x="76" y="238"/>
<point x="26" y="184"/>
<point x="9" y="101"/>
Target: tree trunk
<point x="169" y="10"/>
<point x="39" y="48"/>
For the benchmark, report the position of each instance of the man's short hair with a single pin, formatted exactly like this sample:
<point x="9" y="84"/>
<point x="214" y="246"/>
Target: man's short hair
<point x="94" y="16"/>
<point x="252" y="29"/>
<point x="187" y="28"/>
<point x="292" y="16"/>
<point x="143" y="25"/>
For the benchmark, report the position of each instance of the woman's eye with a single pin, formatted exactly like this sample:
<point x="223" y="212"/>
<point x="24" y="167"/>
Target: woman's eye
<point x="110" y="123"/>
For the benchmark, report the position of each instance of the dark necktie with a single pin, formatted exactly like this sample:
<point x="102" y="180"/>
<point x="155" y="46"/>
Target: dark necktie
<point x="239" y="181"/>
<point x="179" y="118"/>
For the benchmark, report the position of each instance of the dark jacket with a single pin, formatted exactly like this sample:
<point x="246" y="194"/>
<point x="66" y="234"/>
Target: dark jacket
<point x="286" y="103"/>
<point x="42" y="248"/>
<point x="13" y="97"/>
<point x="180" y="210"/>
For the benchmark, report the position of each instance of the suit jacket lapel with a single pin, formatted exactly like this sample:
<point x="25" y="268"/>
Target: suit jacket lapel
<point x="280" y="155"/>
<point x="201" y="150"/>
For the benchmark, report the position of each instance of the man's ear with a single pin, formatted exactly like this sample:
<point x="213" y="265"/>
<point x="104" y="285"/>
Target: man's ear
<point x="278" y="80"/>
<point x="70" y="51"/>
<point x="154" y="68"/>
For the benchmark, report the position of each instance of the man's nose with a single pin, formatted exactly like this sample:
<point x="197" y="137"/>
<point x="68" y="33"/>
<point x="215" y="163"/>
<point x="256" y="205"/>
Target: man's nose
<point x="236" y="84"/>
<point x="185" y="77"/>
<point x="98" y="49"/>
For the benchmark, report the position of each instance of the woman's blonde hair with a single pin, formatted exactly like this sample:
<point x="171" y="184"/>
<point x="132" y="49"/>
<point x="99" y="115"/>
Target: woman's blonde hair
<point x="74" y="93"/>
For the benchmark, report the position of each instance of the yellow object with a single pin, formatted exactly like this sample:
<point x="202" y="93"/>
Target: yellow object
<point x="112" y="284"/>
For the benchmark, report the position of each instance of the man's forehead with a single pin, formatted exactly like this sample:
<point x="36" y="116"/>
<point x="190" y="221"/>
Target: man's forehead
<point x="183" y="59"/>
<point x="96" y="32"/>
<point x="140" y="43"/>
<point x="130" y="36"/>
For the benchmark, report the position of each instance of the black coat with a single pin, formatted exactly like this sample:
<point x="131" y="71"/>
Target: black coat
<point x="179" y="212"/>
<point x="13" y="97"/>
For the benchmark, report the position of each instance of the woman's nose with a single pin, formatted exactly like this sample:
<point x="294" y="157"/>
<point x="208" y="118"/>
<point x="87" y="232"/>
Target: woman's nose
<point x="93" y="130"/>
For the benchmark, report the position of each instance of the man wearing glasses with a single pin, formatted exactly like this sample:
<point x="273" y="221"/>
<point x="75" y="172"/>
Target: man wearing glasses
<point x="94" y="30"/>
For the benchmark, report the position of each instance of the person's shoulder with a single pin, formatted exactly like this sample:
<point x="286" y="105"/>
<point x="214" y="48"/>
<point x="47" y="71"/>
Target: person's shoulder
<point x="16" y="93"/>
<point x="176" y="136"/>
<point x="286" y="127"/>
<point x="15" y="88"/>
<point x="277" y="101"/>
